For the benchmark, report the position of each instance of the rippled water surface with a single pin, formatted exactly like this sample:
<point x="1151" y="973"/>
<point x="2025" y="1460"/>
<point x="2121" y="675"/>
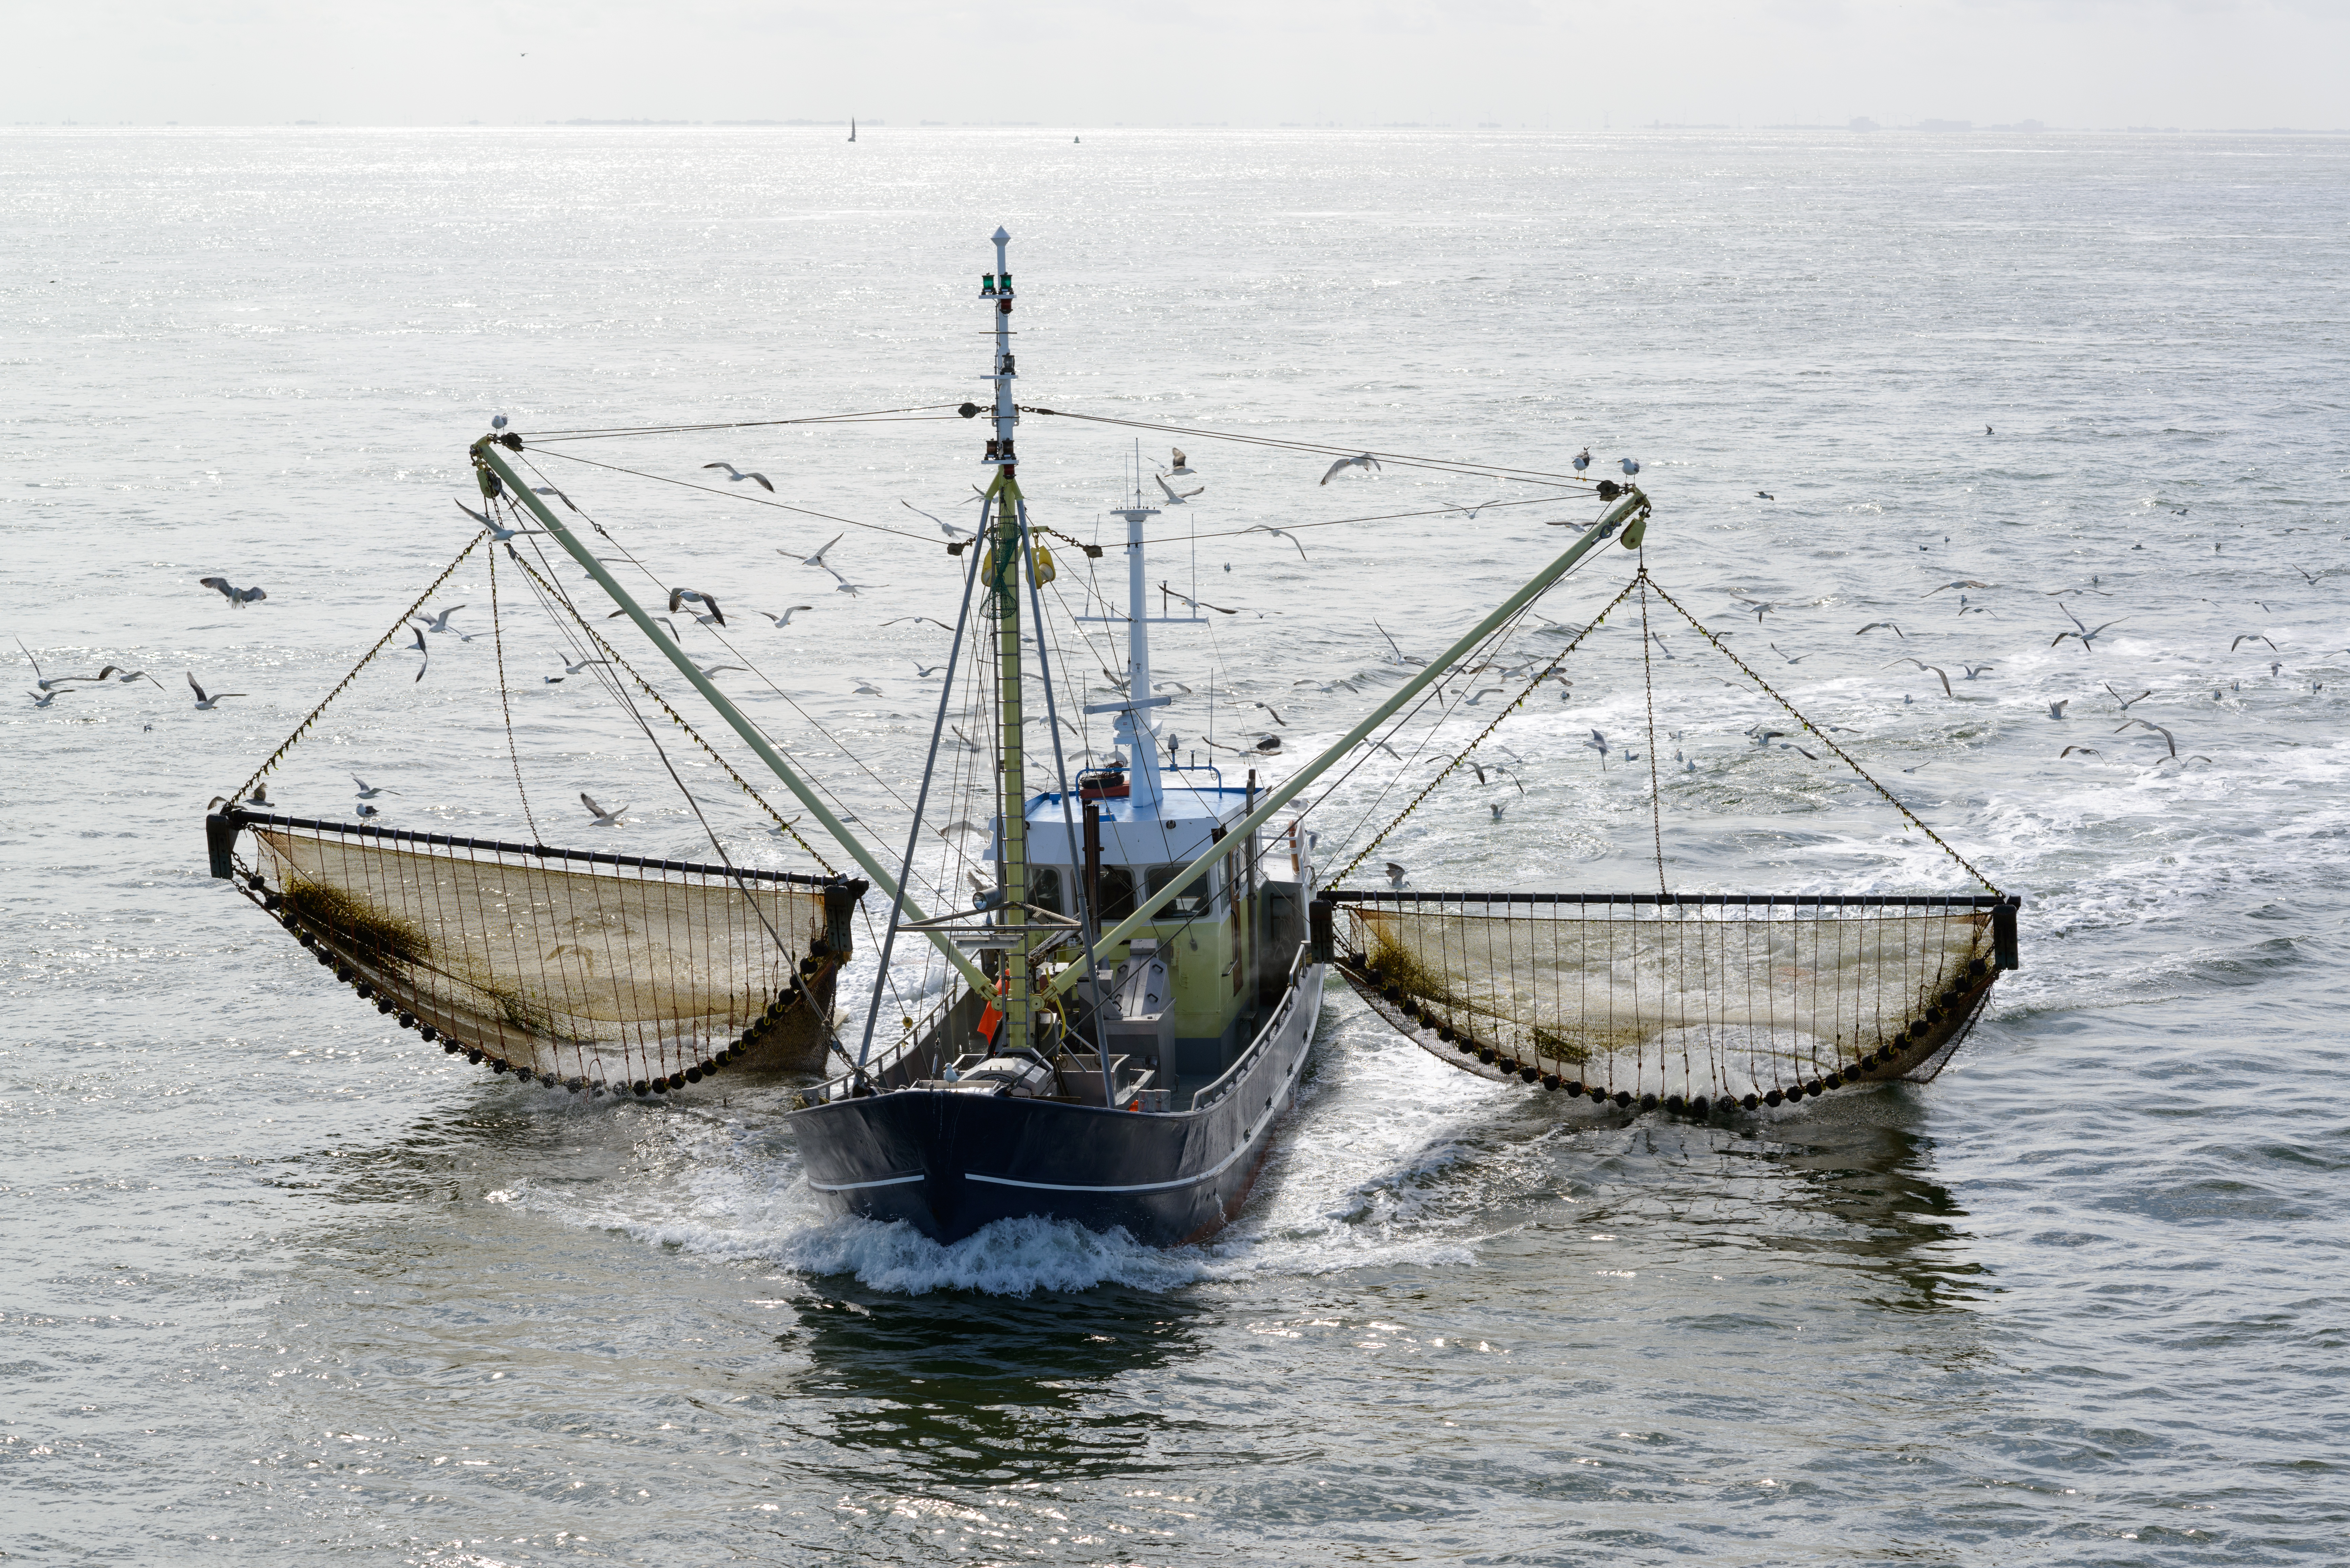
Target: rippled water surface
<point x="282" y="1285"/>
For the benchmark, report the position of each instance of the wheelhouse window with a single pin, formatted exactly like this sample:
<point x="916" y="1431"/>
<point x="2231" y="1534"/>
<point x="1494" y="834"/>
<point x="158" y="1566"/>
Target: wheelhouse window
<point x="1193" y="899"/>
<point x="1116" y="894"/>
<point x="1044" y="888"/>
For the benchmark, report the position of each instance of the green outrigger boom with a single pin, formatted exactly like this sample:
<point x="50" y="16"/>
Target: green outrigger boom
<point x="486" y="451"/>
<point x="1632" y="505"/>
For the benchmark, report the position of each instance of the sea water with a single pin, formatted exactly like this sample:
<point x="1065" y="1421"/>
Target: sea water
<point x="283" y="1284"/>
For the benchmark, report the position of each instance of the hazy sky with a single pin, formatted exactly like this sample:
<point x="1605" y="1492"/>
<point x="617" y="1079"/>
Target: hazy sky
<point x="1563" y="63"/>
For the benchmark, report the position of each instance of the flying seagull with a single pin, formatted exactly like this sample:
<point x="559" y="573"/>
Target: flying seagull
<point x="1367" y="462"/>
<point x="1887" y="625"/>
<point x="369" y="791"/>
<point x="238" y="596"/>
<point x="48" y="683"/>
<point x="439" y="622"/>
<point x="818" y="560"/>
<point x="784" y="620"/>
<point x="206" y="703"/>
<point x="678" y="597"/>
<point x="417" y="632"/>
<point x="1396" y="875"/>
<point x="603" y="818"/>
<point x="949" y="529"/>
<point x="2087" y="637"/>
<point x="1935" y="667"/>
<point x="1174" y="497"/>
<point x="499" y="532"/>
<point x="2149" y="724"/>
<point x="125" y="677"/>
<point x="1166" y="592"/>
<point x="738" y="475"/>
<point x="1183" y="464"/>
<point x="1276" y="532"/>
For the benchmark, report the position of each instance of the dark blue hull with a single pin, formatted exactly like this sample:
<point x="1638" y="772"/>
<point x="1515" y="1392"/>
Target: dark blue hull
<point x="949" y="1163"/>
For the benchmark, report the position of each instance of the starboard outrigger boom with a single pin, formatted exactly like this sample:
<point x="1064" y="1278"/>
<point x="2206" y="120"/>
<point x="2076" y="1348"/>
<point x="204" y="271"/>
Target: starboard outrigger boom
<point x="1632" y="505"/>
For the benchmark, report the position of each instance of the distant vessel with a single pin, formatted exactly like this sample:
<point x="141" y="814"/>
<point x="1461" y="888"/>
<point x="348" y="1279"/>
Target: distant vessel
<point x="852" y="127"/>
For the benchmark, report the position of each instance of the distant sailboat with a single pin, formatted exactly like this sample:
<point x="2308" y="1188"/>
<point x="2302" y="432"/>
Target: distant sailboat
<point x="852" y="127"/>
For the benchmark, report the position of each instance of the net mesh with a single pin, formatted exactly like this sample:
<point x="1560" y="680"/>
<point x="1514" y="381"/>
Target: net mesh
<point x="1679" y="999"/>
<point x="615" y="977"/>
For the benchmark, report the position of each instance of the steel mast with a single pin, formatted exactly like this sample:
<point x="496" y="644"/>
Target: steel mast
<point x="1001" y="529"/>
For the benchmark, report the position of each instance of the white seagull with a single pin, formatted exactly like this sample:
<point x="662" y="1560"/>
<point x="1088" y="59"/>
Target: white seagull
<point x="499" y="532"/>
<point x="681" y="596"/>
<point x="816" y="560"/>
<point x="949" y="529"/>
<point x="738" y="475"/>
<point x="238" y="596"/>
<point x="369" y="791"/>
<point x="784" y="620"/>
<point x="205" y="703"/>
<point x="603" y="818"/>
<point x="1174" y="497"/>
<point x="1276" y="532"/>
<point x="1366" y="461"/>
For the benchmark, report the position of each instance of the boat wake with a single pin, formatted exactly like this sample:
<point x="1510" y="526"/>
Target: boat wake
<point x="1385" y="1168"/>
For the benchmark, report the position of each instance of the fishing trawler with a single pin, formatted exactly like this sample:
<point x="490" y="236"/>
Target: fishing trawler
<point x="1124" y="1009"/>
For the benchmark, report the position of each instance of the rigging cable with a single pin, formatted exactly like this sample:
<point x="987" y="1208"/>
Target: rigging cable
<point x="922" y="800"/>
<point x="303" y="728"/>
<point x="596" y="639"/>
<point x="505" y="705"/>
<point x="1402" y="460"/>
<point x="610" y="432"/>
<point x="754" y="668"/>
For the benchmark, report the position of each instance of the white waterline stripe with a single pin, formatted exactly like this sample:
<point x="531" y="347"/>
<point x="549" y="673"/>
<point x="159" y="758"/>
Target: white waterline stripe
<point x="853" y="1186"/>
